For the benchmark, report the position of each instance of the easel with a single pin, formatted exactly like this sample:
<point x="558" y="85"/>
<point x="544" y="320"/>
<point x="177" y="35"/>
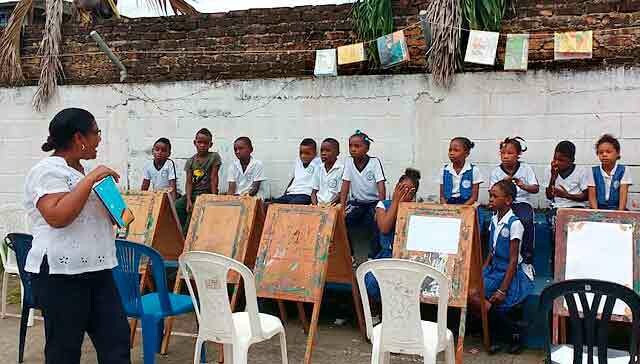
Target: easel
<point x="303" y="248"/>
<point x="565" y="220"/>
<point x="227" y="225"/>
<point x="464" y="269"/>
<point x="156" y="224"/>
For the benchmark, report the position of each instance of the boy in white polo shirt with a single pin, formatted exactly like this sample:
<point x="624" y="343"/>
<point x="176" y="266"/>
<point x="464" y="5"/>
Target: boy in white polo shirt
<point x="299" y="190"/>
<point x="327" y="179"/>
<point x="245" y="173"/>
<point x="567" y="184"/>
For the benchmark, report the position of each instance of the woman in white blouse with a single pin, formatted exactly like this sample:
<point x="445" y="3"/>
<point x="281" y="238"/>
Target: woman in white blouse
<point x="73" y="246"/>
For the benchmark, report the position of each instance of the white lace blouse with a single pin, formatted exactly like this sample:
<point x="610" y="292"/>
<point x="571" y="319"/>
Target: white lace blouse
<point x="87" y="244"/>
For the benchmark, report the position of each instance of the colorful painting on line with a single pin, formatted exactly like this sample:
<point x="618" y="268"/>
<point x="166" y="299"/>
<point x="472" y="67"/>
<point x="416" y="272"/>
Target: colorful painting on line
<point x="392" y="49"/>
<point x="573" y="45"/>
<point x="326" y="63"/>
<point x="516" y="52"/>
<point x="351" y="53"/>
<point x="481" y="48"/>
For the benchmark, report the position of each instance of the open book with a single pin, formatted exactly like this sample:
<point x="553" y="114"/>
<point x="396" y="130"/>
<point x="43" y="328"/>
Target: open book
<point x="108" y="192"/>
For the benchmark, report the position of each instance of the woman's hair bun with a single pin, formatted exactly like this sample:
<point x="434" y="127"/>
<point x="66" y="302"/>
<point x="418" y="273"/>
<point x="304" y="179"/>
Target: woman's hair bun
<point x="49" y="145"/>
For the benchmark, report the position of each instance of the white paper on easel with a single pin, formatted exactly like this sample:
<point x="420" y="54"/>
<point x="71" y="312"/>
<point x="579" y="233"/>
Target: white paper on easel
<point x="433" y="234"/>
<point x="603" y="251"/>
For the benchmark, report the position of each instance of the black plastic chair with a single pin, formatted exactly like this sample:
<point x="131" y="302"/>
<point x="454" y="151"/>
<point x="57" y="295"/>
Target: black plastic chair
<point x="588" y="331"/>
<point x="21" y="244"/>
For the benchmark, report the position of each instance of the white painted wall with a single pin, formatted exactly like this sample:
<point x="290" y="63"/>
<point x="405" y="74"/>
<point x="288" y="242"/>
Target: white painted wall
<point x="410" y="120"/>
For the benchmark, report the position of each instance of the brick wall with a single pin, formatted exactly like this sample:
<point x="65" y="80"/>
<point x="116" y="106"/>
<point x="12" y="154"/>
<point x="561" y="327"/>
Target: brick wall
<point x="309" y="27"/>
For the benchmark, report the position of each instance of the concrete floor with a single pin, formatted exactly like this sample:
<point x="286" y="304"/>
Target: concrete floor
<point x="335" y="345"/>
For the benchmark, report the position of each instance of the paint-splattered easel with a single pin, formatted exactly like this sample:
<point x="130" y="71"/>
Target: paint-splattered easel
<point x="464" y="269"/>
<point x="302" y="248"/>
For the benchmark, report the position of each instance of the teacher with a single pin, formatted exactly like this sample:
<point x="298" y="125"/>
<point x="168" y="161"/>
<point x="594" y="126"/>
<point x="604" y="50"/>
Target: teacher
<point x="73" y="248"/>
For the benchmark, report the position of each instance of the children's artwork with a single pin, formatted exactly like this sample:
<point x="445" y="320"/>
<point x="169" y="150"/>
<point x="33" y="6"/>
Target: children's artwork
<point x="516" y="52"/>
<point x="392" y="49"/>
<point x="433" y="234"/>
<point x="585" y="247"/>
<point x="108" y="192"/>
<point x="573" y="45"/>
<point x="326" y="63"/>
<point x="481" y="48"/>
<point x="351" y="53"/>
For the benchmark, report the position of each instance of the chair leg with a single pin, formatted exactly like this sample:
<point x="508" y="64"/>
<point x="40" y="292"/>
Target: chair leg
<point x="283" y="347"/>
<point x="376" y="355"/>
<point x="228" y="353"/>
<point x="5" y="282"/>
<point x="240" y="353"/>
<point x="386" y="357"/>
<point x="151" y="336"/>
<point x="23" y="332"/>
<point x="30" y="313"/>
<point x="197" y="355"/>
<point x="450" y="353"/>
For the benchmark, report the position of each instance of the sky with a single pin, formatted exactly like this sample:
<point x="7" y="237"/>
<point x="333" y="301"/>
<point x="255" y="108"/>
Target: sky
<point x="139" y="8"/>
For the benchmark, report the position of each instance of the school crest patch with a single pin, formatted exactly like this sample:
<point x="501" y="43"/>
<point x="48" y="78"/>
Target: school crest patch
<point x="310" y="170"/>
<point x="370" y="176"/>
<point x="505" y="232"/>
<point x="466" y="183"/>
<point x="333" y="183"/>
<point x="616" y="184"/>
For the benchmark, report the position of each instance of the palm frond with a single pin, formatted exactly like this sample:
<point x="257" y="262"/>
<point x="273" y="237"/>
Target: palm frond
<point x="179" y="7"/>
<point x="51" y="67"/>
<point x="446" y="39"/>
<point x="372" y="19"/>
<point x="10" y="67"/>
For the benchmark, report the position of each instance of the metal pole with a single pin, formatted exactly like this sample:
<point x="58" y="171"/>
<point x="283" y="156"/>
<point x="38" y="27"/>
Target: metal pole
<point x="105" y="48"/>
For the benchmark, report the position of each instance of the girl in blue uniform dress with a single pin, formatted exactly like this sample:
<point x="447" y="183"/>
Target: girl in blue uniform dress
<point x="609" y="182"/>
<point x="460" y="180"/>
<point x="507" y="280"/>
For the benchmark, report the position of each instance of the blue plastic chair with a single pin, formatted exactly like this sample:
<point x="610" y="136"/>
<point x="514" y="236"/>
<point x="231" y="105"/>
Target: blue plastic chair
<point x="21" y="244"/>
<point x="152" y="308"/>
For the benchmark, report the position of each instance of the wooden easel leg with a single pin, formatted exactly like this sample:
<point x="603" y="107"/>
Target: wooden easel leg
<point x="168" y="322"/>
<point x="133" y="326"/>
<point x="357" y="303"/>
<point x="283" y="311"/>
<point x="563" y="330"/>
<point x="303" y="317"/>
<point x="461" y="332"/>
<point x="486" y="339"/>
<point x="312" y="333"/>
<point x="555" y="321"/>
<point x="236" y="294"/>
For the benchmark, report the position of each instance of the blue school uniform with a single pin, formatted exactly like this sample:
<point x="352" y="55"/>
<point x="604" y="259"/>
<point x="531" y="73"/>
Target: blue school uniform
<point x="493" y="275"/>
<point x="385" y="251"/>
<point x="613" y="201"/>
<point x="466" y="186"/>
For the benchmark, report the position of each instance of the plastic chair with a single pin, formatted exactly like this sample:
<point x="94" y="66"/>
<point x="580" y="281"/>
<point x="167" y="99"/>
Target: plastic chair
<point x="236" y="331"/>
<point x="590" y="323"/>
<point x="152" y="308"/>
<point x="21" y="244"/>
<point x="401" y="329"/>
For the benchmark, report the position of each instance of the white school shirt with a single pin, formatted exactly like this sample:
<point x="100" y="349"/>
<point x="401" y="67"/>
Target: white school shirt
<point x="328" y="184"/>
<point x="364" y="185"/>
<point x="575" y="183"/>
<point x="302" y="183"/>
<point x="625" y="180"/>
<point x="160" y="178"/>
<point x="85" y="245"/>
<point x="244" y="180"/>
<point x="524" y="173"/>
<point x="455" y="177"/>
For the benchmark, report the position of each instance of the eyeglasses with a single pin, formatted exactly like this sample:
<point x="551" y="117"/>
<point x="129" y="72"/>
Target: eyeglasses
<point x="97" y="132"/>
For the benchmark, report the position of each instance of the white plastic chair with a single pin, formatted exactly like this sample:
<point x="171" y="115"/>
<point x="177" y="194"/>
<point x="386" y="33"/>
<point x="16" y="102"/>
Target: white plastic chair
<point x="401" y="329"/>
<point x="236" y="331"/>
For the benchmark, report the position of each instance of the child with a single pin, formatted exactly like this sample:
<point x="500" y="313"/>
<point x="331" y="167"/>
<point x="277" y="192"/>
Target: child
<point x="460" y="183"/>
<point x="609" y="182"/>
<point x="362" y="187"/>
<point x="202" y="175"/>
<point x="159" y="174"/>
<point x="300" y="186"/>
<point x="520" y="174"/>
<point x="507" y="280"/>
<point x="567" y="184"/>
<point x="245" y="173"/>
<point x="386" y="215"/>
<point x="327" y="178"/>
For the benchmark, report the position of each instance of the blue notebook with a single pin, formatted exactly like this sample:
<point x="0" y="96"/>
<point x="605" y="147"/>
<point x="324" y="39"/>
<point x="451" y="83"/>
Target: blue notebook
<point x="108" y="192"/>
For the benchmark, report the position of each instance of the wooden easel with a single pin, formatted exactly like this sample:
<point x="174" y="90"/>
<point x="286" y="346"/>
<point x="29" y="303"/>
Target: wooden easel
<point x="565" y="220"/>
<point x="302" y="248"/>
<point x="464" y="269"/>
<point x="226" y="225"/>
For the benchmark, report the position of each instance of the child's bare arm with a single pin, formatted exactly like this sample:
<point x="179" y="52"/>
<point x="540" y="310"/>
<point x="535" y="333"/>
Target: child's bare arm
<point x="232" y="188"/>
<point x="214" y="179"/>
<point x="188" y="188"/>
<point x="344" y="192"/>
<point x="624" y="193"/>
<point x="475" y="191"/>
<point x="174" y="189"/>
<point x="255" y="187"/>
<point x="501" y="294"/>
<point x="314" y="197"/>
<point x="593" y="200"/>
<point x="382" y="191"/>
<point x="443" y="200"/>
<point x="145" y="185"/>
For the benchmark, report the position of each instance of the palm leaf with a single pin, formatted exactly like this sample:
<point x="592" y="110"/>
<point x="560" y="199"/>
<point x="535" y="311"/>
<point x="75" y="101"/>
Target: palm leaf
<point x="445" y="47"/>
<point x="10" y="67"/>
<point x="179" y="7"/>
<point x="51" y="68"/>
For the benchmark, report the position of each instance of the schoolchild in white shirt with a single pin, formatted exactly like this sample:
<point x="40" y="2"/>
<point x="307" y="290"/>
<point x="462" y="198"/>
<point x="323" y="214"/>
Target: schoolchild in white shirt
<point x="160" y="173"/>
<point x="460" y="180"/>
<point x="609" y="182"/>
<point x="327" y="179"/>
<point x="300" y="186"/>
<point x="246" y="173"/>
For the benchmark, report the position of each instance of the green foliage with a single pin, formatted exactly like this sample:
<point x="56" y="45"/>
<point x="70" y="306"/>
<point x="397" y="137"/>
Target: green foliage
<point x="484" y="14"/>
<point x="372" y="19"/>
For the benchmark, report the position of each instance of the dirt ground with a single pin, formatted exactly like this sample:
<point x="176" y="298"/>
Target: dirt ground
<point x="335" y="344"/>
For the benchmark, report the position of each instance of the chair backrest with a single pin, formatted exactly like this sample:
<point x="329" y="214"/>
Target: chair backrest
<point x="210" y="272"/>
<point x="8" y="258"/>
<point x="400" y="284"/>
<point x="21" y="245"/>
<point x="14" y="220"/>
<point x="133" y="258"/>
<point x="589" y="324"/>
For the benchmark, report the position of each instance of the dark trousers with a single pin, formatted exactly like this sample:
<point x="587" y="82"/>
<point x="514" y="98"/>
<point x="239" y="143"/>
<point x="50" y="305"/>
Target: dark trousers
<point x="75" y="304"/>
<point x="505" y="326"/>
<point x="181" y="210"/>
<point x="293" y="199"/>
<point x="525" y="214"/>
<point x="363" y="215"/>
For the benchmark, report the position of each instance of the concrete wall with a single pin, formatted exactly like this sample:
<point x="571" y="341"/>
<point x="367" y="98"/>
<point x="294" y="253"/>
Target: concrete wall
<point x="410" y="120"/>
